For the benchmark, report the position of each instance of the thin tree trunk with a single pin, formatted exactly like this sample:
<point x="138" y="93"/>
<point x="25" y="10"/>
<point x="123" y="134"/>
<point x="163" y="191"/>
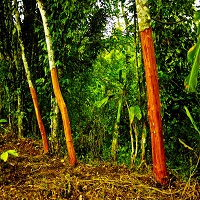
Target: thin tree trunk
<point x="1" y="99"/>
<point x="136" y="139"/>
<point x="56" y="87"/>
<point x="132" y="145"/>
<point x="9" y="109"/>
<point x="20" y="115"/>
<point x="158" y="153"/>
<point x="54" y="126"/>
<point x="115" y="142"/>
<point x="19" y="99"/>
<point x="143" y="142"/>
<point x="116" y="131"/>
<point x="28" y="75"/>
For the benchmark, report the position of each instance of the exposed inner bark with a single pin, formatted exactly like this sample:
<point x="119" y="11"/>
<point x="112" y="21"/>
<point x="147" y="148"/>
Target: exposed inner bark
<point x="158" y="153"/>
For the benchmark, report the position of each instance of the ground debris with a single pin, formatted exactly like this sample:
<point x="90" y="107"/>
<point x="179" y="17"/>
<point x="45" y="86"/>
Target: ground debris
<point x="33" y="175"/>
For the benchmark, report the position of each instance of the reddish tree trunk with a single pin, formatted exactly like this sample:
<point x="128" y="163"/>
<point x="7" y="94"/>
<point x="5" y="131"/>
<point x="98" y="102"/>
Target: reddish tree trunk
<point x="39" y="119"/>
<point x="158" y="153"/>
<point x="28" y="75"/>
<point x="56" y="87"/>
<point x="65" y="118"/>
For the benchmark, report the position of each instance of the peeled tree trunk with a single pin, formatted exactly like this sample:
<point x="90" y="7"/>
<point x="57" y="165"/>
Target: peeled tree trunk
<point x="158" y="153"/>
<point x="56" y="87"/>
<point x="28" y="75"/>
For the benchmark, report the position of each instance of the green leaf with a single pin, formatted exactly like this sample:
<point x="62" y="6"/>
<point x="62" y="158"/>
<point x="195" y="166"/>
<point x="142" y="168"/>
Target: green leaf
<point x="137" y="111"/>
<point x="198" y="29"/>
<point x="59" y="63"/>
<point x="3" y="121"/>
<point x="102" y="102"/>
<point x="191" y="119"/>
<point x="37" y="30"/>
<point x="131" y="114"/>
<point x="197" y="15"/>
<point x="40" y="80"/>
<point x="124" y="75"/>
<point x="191" y="53"/>
<point x="4" y="156"/>
<point x="13" y="152"/>
<point x="29" y="109"/>
<point x="119" y="110"/>
<point x="134" y="111"/>
<point x="191" y="80"/>
<point x="194" y="56"/>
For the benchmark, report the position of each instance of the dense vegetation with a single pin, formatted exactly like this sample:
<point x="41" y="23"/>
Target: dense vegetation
<point x="100" y="69"/>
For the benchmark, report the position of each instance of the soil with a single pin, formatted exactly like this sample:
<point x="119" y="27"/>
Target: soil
<point x="33" y="175"/>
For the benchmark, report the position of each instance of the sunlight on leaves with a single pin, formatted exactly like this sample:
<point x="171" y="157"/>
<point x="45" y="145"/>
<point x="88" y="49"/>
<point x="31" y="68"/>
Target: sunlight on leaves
<point x="4" y="155"/>
<point x="13" y="152"/>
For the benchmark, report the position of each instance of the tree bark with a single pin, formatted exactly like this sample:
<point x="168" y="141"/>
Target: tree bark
<point x="158" y="153"/>
<point x="19" y="99"/>
<point x="56" y="87"/>
<point x="31" y="87"/>
<point x="54" y="126"/>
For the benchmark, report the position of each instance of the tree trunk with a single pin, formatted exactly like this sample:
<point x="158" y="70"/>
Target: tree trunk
<point x="114" y="148"/>
<point x="143" y="142"/>
<point x="28" y="75"/>
<point x="19" y="99"/>
<point x="56" y="87"/>
<point x="158" y="153"/>
<point x="54" y="126"/>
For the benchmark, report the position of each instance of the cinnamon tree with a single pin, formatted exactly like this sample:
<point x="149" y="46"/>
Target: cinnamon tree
<point x="28" y="76"/>
<point x="56" y="87"/>
<point x="158" y="153"/>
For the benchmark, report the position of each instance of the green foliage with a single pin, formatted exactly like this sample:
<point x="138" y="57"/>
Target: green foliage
<point x="124" y="154"/>
<point x="97" y="70"/>
<point x="194" y="57"/>
<point x="109" y="88"/>
<point x="3" y="121"/>
<point x="76" y="29"/>
<point x="172" y="41"/>
<point x="134" y="111"/>
<point x="191" y="119"/>
<point x="103" y="102"/>
<point x="4" y="155"/>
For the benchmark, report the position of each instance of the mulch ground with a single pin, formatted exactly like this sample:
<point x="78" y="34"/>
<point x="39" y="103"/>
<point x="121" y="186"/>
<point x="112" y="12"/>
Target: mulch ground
<point x="33" y="175"/>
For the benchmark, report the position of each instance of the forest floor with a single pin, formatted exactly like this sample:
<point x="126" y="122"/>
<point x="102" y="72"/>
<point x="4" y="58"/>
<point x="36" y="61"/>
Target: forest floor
<point x="33" y="175"/>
